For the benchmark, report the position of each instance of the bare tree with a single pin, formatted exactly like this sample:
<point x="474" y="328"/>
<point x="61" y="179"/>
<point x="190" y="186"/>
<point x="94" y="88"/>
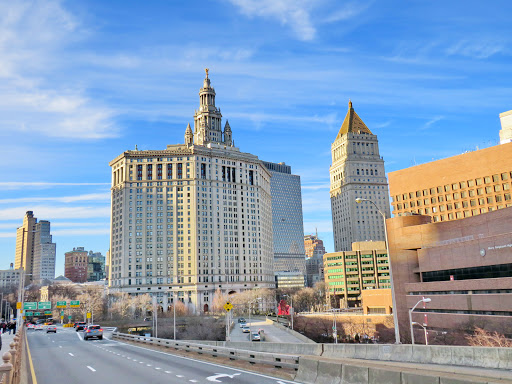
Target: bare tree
<point x="483" y="338"/>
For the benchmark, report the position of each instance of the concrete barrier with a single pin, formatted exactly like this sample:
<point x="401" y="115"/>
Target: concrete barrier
<point x="329" y="372"/>
<point x="308" y="370"/>
<point x="380" y="376"/>
<point x="354" y="374"/>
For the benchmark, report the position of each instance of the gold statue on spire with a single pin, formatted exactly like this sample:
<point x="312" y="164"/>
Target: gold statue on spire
<point x="206" y="70"/>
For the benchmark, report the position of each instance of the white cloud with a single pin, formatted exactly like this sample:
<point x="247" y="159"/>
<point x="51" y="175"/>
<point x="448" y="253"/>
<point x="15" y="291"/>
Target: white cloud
<point x="432" y="121"/>
<point x="33" y="36"/>
<point x="54" y="212"/>
<point x="102" y="197"/>
<point x="40" y="184"/>
<point x="346" y="12"/>
<point x="479" y="49"/>
<point x="8" y="234"/>
<point x="289" y="12"/>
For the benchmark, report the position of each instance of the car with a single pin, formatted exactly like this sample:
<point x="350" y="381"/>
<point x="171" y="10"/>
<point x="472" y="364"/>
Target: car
<point x="246" y="329"/>
<point x="93" y="331"/>
<point x="241" y="320"/>
<point x="51" y="328"/>
<point x="255" y="336"/>
<point x="80" y="325"/>
<point x="244" y="324"/>
<point x="30" y="326"/>
<point x="38" y="327"/>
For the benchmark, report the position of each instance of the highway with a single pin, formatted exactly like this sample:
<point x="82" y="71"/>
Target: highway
<point x="66" y="357"/>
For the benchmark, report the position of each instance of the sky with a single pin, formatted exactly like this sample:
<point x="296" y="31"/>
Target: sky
<point x="83" y="81"/>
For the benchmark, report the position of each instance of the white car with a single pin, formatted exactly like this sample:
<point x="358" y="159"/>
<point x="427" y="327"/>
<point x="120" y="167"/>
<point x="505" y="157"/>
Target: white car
<point x="243" y="325"/>
<point x="30" y="326"/>
<point x="39" y="327"/>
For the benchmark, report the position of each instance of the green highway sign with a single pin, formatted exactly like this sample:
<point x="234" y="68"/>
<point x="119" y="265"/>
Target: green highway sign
<point x="29" y="305"/>
<point x="74" y="303"/>
<point x="61" y="304"/>
<point x="70" y="317"/>
<point x="47" y="312"/>
<point x="62" y="313"/>
<point x="37" y="313"/>
<point x="44" y="305"/>
<point x="28" y="314"/>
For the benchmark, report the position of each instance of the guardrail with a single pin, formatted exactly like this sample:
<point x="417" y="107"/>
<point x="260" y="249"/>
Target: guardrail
<point x="11" y="367"/>
<point x="109" y="329"/>
<point x="276" y="360"/>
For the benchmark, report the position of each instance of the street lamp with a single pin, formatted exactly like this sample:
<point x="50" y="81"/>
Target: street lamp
<point x="174" y="317"/>
<point x="334" y="325"/>
<point x="424" y="326"/>
<point x="424" y="300"/>
<point x="393" y="298"/>
<point x="291" y="305"/>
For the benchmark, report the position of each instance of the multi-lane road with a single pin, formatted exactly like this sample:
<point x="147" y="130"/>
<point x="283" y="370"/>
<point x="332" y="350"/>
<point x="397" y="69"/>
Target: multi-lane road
<point x="65" y="357"/>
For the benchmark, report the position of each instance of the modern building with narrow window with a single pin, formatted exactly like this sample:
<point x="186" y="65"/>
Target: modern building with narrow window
<point x="191" y="218"/>
<point x="45" y="253"/>
<point x="357" y="171"/>
<point x="287" y="222"/>
<point x="347" y="274"/>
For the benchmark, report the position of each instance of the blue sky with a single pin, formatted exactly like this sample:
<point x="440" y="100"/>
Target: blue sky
<point x="82" y="81"/>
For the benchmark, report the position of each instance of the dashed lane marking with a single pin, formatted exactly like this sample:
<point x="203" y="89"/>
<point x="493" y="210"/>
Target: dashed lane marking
<point x="70" y="354"/>
<point x="91" y="368"/>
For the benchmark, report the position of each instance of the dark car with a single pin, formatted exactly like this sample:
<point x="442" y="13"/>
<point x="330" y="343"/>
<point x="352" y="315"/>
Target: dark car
<point x="80" y="325"/>
<point x="241" y="320"/>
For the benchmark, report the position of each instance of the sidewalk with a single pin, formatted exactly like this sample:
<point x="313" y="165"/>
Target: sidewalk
<point x="6" y="341"/>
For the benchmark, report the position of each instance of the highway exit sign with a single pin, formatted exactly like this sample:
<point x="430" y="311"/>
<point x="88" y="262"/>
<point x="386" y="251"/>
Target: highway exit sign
<point x="29" y="305"/>
<point x="44" y="305"/>
<point x="37" y="313"/>
<point x="74" y="303"/>
<point x="28" y="314"/>
<point x="61" y="304"/>
<point x="47" y="312"/>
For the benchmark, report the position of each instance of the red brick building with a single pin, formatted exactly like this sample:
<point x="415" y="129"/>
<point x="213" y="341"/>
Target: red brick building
<point x="75" y="265"/>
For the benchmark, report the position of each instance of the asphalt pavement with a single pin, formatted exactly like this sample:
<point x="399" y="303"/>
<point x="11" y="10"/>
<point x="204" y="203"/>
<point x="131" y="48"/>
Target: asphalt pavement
<point x="65" y="357"/>
<point x="272" y="333"/>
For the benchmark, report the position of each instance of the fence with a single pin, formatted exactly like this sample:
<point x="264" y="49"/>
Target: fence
<point x="274" y="359"/>
<point x="10" y="370"/>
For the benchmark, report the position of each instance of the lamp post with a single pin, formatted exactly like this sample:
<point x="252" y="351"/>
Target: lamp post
<point x="174" y="316"/>
<point x="393" y="298"/>
<point x="424" y="300"/>
<point x="424" y="329"/>
<point x="291" y="305"/>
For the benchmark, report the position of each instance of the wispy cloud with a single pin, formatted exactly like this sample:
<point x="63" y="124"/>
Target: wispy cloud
<point x="431" y="122"/>
<point x="81" y="231"/>
<point x="294" y="14"/>
<point x="101" y="197"/>
<point x="346" y="11"/>
<point x="41" y="184"/>
<point x="479" y="49"/>
<point x="55" y="212"/>
<point x="32" y="33"/>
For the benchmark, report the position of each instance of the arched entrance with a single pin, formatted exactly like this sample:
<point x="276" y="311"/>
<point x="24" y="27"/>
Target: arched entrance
<point x="205" y="308"/>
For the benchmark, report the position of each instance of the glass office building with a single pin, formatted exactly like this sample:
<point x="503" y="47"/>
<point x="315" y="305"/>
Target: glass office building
<point x="287" y="223"/>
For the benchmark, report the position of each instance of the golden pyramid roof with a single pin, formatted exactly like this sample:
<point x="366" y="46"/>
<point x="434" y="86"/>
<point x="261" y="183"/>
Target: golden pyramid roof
<point x="353" y="123"/>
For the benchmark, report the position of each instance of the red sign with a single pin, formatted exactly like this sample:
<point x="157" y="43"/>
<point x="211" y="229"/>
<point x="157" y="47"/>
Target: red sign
<point x="452" y="278"/>
<point x="283" y="309"/>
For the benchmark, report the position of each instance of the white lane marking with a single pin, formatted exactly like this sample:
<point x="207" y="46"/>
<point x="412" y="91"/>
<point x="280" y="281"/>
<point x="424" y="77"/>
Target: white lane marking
<point x="203" y="362"/>
<point x="134" y="360"/>
<point x="193" y="381"/>
<point x="60" y="346"/>
<point x="158" y="368"/>
<point x="80" y="337"/>
<point x="180" y="376"/>
<point x="91" y="368"/>
<point x="141" y="362"/>
<point x="221" y="375"/>
<point x="168" y="372"/>
<point x="70" y="354"/>
<point x="148" y="365"/>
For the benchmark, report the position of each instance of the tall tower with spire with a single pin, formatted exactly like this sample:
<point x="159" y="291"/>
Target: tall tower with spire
<point x="357" y="170"/>
<point x="208" y="119"/>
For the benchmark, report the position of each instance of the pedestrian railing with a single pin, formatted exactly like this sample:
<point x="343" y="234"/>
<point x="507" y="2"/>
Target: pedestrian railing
<point x="274" y="359"/>
<point x="11" y="367"/>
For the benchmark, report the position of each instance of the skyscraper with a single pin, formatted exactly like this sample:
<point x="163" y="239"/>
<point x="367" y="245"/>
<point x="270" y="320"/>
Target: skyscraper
<point x="192" y="218"/>
<point x="313" y="245"/>
<point x="45" y="252"/>
<point x="287" y="223"/>
<point x="95" y="266"/>
<point x="35" y="252"/>
<point x="357" y="170"/>
<point x="24" y="256"/>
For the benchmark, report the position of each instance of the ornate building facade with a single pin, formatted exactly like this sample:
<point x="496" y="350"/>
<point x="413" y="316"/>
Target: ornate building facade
<point x="357" y="171"/>
<point x="192" y="218"/>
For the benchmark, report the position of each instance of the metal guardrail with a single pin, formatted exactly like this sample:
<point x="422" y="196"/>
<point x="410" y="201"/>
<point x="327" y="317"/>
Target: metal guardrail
<point x="109" y="329"/>
<point x="274" y="359"/>
<point x="11" y="367"/>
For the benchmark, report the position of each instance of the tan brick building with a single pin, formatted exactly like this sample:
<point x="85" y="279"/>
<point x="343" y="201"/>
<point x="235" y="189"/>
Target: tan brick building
<point x="75" y="265"/>
<point x="348" y="273"/>
<point x="457" y="187"/>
